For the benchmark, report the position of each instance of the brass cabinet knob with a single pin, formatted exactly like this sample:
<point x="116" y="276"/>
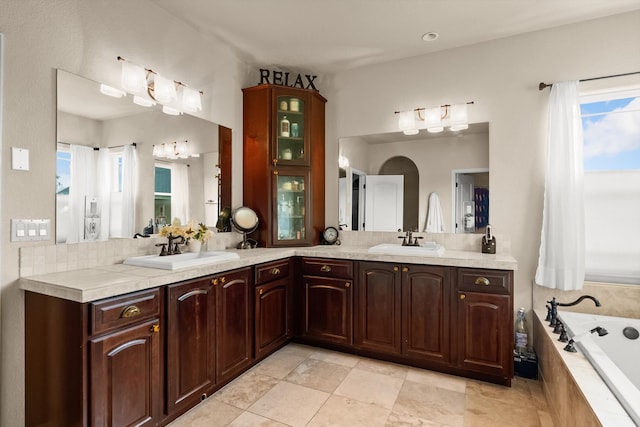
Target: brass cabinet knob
<point x="346" y="285"/>
<point x="462" y="296"/>
<point x="405" y="269"/>
<point x="275" y="172"/>
<point x="261" y="291"/>
<point x="396" y="268"/>
<point x="215" y="281"/>
<point x="275" y="161"/>
<point x="325" y="268"/>
<point x="130" y="311"/>
<point x="223" y="280"/>
<point x="483" y="281"/>
<point x="275" y="271"/>
<point x="155" y="328"/>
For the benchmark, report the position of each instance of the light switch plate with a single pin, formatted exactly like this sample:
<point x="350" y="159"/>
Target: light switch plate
<point x="23" y="230"/>
<point x="19" y="159"/>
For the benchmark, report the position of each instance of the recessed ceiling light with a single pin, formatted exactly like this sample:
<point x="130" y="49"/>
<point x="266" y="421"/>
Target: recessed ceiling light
<point x="430" y="36"/>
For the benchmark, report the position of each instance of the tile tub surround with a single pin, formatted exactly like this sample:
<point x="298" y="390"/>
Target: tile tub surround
<point x="306" y="386"/>
<point x="576" y="393"/>
<point x="102" y="281"/>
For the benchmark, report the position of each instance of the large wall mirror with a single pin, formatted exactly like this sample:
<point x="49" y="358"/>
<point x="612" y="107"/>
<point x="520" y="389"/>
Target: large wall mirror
<point x="390" y="182"/>
<point x="109" y="181"/>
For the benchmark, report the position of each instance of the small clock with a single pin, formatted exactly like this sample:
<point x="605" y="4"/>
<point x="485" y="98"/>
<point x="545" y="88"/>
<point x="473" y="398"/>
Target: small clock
<point x="330" y="236"/>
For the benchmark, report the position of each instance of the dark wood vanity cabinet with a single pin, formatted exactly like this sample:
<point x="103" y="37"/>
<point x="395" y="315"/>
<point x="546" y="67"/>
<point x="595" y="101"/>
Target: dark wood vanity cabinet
<point x="273" y="305"/>
<point x="191" y="339"/>
<point x="484" y="320"/>
<point x="97" y="364"/>
<point x="327" y="301"/>
<point x="403" y="309"/>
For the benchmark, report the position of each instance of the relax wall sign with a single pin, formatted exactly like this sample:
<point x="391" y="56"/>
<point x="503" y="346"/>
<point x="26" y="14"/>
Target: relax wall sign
<point x="281" y="78"/>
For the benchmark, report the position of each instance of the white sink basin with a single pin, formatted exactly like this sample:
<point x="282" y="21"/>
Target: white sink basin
<point x="425" y="249"/>
<point x="175" y="262"/>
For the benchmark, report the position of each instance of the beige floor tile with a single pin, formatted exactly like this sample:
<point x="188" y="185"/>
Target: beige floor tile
<point x="370" y="387"/>
<point x="291" y="404"/>
<point x="516" y="394"/>
<point x="431" y="403"/>
<point x="245" y="390"/>
<point x="448" y="382"/>
<point x="545" y="419"/>
<point x="279" y="365"/>
<point x="342" y="411"/>
<point x="384" y="368"/>
<point x="210" y="413"/>
<point x="343" y="359"/>
<point x="404" y="420"/>
<point x="487" y="412"/>
<point x="296" y="350"/>
<point x="318" y="375"/>
<point x="247" y="419"/>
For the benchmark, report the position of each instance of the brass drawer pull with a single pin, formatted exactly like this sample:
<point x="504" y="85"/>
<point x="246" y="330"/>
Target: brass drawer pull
<point x="483" y="281"/>
<point x="130" y="311"/>
<point x="275" y="271"/>
<point x="155" y="328"/>
<point x="346" y="285"/>
<point x="325" y="268"/>
<point x="275" y="172"/>
<point x="405" y="269"/>
<point x="261" y="291"/>
<point x="396" y="268"/>
<point x="462" y="296"/>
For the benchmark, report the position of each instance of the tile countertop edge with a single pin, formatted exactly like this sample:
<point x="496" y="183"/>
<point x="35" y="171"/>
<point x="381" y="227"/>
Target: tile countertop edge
<point x="91" y="284"/>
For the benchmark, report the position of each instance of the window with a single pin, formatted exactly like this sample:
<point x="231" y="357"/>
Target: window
<point x="611" y="127"/>
<point x="162" y="194"/>
<point x="63" y="170"/>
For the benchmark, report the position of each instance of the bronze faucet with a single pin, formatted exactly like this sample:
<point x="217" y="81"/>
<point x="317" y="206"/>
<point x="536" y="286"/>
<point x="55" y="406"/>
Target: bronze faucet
<point x="409" y="240"/>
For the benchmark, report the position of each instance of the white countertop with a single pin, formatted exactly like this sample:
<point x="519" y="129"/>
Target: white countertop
<point x="90" y="284"/>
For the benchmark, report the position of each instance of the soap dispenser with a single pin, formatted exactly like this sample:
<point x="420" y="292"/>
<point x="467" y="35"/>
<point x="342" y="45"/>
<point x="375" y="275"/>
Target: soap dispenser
<point x="488" y="242"/>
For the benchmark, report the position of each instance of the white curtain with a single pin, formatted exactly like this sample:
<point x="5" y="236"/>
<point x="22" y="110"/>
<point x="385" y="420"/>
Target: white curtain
<point x="103" y="190"/>
<point x="129" y="189"/>
<point x="562" y="253"/>
<point x="180" y="192"/>
<point x="81" y="185"/>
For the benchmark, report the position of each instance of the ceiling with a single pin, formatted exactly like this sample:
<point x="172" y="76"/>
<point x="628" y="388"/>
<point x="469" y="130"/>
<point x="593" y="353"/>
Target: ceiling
<point x="327" y="36"/>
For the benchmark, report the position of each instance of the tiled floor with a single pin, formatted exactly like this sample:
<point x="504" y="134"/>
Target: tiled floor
<point x="307" y="386"/>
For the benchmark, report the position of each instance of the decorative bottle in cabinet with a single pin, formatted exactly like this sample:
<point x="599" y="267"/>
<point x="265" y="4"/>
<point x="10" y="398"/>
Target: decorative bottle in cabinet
<point x="283" y="170"/>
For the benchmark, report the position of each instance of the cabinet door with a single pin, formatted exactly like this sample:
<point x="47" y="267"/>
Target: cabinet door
<point x="425" y="307"/>
<point x="125" y="378"/>
<point x="484" y="333"/>
<point x="234" y="323"/>
<point x="272" y="316"/>
<point x="379" y="307"/>
<point x="291" y="138"/>
<point x="328" y="309"/>
<point x="291" y="208"/>
<point x="190" y="343"/>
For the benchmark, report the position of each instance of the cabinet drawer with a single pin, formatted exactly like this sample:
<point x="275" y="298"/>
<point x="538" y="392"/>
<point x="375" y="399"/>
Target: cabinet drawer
<point x="327" y="267"/>
<point x="480" y="280"/>
<point x="271" y="271"/>
<point x="124" y="310"/>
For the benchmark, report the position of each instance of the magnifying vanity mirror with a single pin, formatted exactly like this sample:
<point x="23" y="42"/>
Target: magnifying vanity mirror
<point x="245" y="221"/>
<point x="386" y="180"/>
<point x="105" y="151"/>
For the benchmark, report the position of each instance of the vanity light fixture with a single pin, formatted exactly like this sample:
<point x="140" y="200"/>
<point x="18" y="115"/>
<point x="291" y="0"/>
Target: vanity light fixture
<point x="112" y="91"/>
<point x="434" y="119"/>
<point x="173" y="150"/>
<point x="149" y="88"/>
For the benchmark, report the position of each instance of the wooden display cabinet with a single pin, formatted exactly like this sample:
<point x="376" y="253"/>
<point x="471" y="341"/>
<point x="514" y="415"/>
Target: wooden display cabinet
<point x="283" y="163"/>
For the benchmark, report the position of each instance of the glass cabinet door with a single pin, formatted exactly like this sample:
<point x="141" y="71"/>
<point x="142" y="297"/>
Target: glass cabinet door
<point x="290" y="147"/>
<point x="291" y="208"/>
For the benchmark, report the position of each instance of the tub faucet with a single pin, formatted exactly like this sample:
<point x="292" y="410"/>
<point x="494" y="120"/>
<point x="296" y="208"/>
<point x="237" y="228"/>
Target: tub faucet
<point x="552" y="313"/>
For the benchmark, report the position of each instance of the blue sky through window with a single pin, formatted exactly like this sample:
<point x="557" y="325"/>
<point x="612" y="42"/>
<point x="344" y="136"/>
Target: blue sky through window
<point x="611" y="134"/>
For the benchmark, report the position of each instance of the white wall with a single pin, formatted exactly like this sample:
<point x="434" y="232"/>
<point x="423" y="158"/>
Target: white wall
<point x="502" y="78"/>
<point x="85" y="37"/>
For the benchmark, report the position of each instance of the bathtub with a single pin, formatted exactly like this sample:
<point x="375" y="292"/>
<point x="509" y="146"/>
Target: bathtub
<point x="614" y="356"/>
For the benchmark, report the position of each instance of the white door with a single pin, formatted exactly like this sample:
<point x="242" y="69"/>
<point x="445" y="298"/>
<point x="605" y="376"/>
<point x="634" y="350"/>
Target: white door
<point x="384" y="202"/>
<point x="464" y="193"/>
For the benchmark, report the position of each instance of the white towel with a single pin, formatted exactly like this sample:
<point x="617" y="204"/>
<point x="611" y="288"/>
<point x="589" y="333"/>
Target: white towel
<point x="435" y="222"/>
